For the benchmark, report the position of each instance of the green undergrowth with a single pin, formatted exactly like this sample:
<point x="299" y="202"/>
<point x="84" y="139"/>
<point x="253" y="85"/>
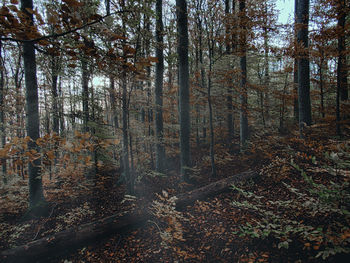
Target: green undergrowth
<point x="314" y="218"/>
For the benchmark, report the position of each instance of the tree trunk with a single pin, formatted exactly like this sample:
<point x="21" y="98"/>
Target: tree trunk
<point x="243" y="65"/>
<point x="41" y="249"/>
<point x="54" y="78"/>
<point x="113" y="104"/>
<point x="202" y="69"/>
<point x="295" y="88"/>
<point x="342" y="65"/>
<point x="85" y="93"/>
<point x="61" y="107"/>
<point x="184" y="92"/>
<point x="303" y="64"/>
<point x="212" y="142"/>
<point x="126" y="168"/>
<point x="230" y="128"/>
<point x="160" y="151"/>
<point x="267" y="76"/>
<point x="322" y="86"/>
<point x="2" y="115"/>
<point x="36" y="195"/>
<point x="125" y="106"/>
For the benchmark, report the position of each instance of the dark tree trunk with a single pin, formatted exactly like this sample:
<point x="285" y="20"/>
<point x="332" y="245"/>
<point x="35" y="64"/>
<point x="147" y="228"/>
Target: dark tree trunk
<point x="125" y="107"/>
<point x="303" y="64"/>
<point x="85" y="92"/>
<point x="184" y="92"/>
<point x="212" y="142"/>
<point x="202" y="69"/>
<point x="229" y="118"/>
<point x="126" y="166"/>
<point x="36" y="195"/>
<point x="295" y="90"/>
<point x="108" y="7"/>
<point x="54" y="78"/>
<point x="243" y="84"/>
<point x="322" y="85"/>
<point x="342" y="65"/>
<point x="61" y="108"/>
<point x="112" y="97"/>
<point x="160" y="151"/>
<point x="2" y="114"/>
<point x="266" y="104"/>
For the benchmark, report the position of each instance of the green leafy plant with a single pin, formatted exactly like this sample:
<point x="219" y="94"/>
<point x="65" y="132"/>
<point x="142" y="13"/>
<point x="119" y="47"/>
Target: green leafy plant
<point x="297" y="219"/>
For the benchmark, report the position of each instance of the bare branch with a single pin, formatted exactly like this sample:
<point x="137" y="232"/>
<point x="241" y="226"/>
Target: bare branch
<point x="56" y="35"/>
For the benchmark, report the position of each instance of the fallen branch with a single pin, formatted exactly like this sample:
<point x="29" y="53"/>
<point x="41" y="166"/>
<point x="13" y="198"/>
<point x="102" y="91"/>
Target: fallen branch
<point x="75" y="237"/>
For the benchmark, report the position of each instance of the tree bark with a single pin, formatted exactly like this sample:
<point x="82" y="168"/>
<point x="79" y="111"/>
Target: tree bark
<point x="41" y="249"/>
<point x="243" y="84"/>
<point x="160" y="151"/>
<point x="2" y="114"/>
<point x="267" y="73"/>
<point x="125" y="106"/>
<point x="342" y="65"/>
<point x="184" y="92"/>
<point x="211" y="44"/>
<point x="85" y="93"/>
<point x="303" y="64"/>
<point x="36" y="195"/>
<point x="229" y="105"/>
<point x="295" y="88"/>
<point x="54" y="78"/>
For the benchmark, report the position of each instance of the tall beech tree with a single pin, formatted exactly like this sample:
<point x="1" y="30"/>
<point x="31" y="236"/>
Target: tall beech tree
<point x="36" y="196"/>
<point x="342" y="89"/>
<point x="160" y="152"/>
<point x="184" y="87"/>
<point x="125" y="109"/>
<point x="295" y="76"/>
<point x="228" y="40"/>
<point x="243" y="66"/>
<point x="302" y="54"/>
<point x="2" y="113"/>
<point x="342" y="78"/>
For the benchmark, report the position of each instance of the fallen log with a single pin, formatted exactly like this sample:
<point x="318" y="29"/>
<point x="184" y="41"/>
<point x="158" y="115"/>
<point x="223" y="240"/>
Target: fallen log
<point x="212" y="189"/>
<point x="75" y="237"/>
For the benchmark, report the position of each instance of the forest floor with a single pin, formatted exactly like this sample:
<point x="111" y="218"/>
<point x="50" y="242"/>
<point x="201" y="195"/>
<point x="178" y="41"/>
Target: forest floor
<point x="296" y="211"/>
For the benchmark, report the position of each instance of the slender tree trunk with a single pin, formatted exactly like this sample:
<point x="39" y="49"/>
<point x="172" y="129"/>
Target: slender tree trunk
<point x="229" y="118"/>
<point x="160" y="152"/>
<point x="54" y="78"/>
<point x="184" y="93"/>
<point x="342" y="65"/>
<point x="267" y="74"/>
<point x="61" y="108"/>
<point x="85" y="92"/>
<point x="125" y="107"/>
<point x="112" y="97"/>
<point x="36" y="195"/>
<point x="243" y="66"/>
<point x="202" y="69"/>
<point x="2" y="114"/>
<point x="337" y="112"/>
<point x="295" y="91"/>
<point x="108" y="7"/>
<point x="19" y="103"/>
<point x="283" y="104"/>
<point x="212" y="142"/>
<point x="303" y="65"/>
<point x="126" y="168"/>
<point x="322" y="86"/>
<point x="295" y="88"/>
